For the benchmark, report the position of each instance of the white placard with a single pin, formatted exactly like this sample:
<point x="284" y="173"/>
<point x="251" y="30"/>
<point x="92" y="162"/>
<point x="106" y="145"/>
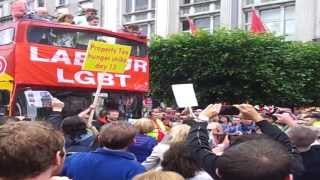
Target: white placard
<point x="38" y="99"/>
<point x="104" y="95"/>
<point x="184" y="95"/>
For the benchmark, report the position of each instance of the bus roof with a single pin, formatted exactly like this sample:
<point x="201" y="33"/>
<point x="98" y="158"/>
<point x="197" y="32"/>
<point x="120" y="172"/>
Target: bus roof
<point x="31" y="22"/>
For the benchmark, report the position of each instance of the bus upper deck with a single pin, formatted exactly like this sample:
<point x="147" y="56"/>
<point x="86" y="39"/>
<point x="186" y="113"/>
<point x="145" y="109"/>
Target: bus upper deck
<point x="46" y="55"/>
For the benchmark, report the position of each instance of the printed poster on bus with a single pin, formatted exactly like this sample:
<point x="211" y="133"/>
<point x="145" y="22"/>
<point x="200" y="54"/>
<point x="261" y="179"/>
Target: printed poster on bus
<point x="104" y="57"/>
<point x="38" y="99"/>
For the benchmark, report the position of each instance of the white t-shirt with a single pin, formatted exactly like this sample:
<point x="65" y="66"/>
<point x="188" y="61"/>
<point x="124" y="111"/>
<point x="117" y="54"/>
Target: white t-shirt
<point x="81" y="20"/>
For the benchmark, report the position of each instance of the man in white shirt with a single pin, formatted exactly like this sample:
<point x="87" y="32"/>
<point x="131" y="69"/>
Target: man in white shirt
<point x="82" y="20"/>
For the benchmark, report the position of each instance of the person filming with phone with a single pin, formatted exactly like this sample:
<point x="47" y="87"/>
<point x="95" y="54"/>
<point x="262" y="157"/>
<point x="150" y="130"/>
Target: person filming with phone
<point x="271" y="156"/>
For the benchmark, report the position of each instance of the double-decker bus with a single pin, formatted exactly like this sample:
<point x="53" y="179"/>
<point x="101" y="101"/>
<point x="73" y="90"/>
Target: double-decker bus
<point x="41" y="55"/>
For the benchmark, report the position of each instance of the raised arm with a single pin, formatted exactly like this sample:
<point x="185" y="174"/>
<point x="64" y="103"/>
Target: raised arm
<point x="248" y="112"/>
<point x="198" y="139"/>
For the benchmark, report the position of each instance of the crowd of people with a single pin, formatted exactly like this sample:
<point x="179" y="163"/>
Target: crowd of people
<point x="24" y="9"/>
<point x="259" y="143"/>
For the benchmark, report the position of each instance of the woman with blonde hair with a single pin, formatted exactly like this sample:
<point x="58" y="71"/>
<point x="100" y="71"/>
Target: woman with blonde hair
<point x="143" y="144"/>
<point x="159" y="175"/>
<point x="177" y="134"/>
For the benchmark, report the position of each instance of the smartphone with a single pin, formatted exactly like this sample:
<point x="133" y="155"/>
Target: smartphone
<point x="229" y="110"/>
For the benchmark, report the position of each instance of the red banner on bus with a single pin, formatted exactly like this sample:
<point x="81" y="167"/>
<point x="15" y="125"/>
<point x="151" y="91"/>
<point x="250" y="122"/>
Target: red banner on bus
<point x="61" y="67"/>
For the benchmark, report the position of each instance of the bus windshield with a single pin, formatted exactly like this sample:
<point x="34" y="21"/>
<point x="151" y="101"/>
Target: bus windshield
<point x="79" y="39"/>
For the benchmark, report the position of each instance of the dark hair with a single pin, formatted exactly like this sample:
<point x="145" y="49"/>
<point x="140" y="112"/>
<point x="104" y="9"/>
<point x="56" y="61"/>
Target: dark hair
<point x="234" y="139"/>
<point x="302" y="136"/>
<point x="90" y="18"/>
<point x="179" y="159"/>
<point x="74" y="127"/>
<point x="103" y="113"/>
<point x="262" y="159"/>
<point x="227" y="117"/>
<point x="28" y="148"/>
<point x="112" y="110"/>
<point x="117" y="135"/>
<point x="189" y="121"/>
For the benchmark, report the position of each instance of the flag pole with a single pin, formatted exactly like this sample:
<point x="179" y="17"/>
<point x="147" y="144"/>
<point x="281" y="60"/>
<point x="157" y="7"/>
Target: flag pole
<point x="95" y="101"/>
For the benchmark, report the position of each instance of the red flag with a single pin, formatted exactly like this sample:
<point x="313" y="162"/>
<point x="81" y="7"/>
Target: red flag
<point x="256" y="23"/>
<point x="192" y="26"/>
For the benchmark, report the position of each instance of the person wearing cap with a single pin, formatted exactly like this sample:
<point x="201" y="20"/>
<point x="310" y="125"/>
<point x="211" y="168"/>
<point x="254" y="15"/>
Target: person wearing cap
<point x="65" y="18"/>
<point x="82" y="20"/>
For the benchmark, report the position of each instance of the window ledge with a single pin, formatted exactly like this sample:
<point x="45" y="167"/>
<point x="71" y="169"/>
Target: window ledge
<point x="139" y="22"/>
<point x="137" y="12"/>
<point x="200" y="14"/>
<point x="198" y="3"/>
<point x="61" y="6"/>
<point x="83" y="1"/>
<point x="269" y="3"/>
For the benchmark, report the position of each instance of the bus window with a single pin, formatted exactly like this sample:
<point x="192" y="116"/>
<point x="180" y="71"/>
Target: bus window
<point x="4" y="101"/>
<point x="6" y="36"/>
<point x="39" y="35"/>
<point x="72" y="38"/>
<point x="4" y="97"/>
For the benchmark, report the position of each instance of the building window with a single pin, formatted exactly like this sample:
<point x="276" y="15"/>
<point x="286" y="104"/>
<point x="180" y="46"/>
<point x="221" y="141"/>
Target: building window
<point x="127" y="19"/>
<point x="152" y="28"/>
<point x="128" y="6"/>
<point x="209" y="23"/>
<point x="202" y="23"/>
<point x="201" y="8"/>
<point x="40" y="3"/>
<point x="141" y="13"/>
<point x="205" y="14"/>
<point x="280" y="20"/>
<point x="251" y="2"/>
<point x="199" y="1"/>
<point x="153" y="4"/>
<point x="217" y="5"/>
<point x="141" y="5"/>
<point x="272" y="19"/>
<point x="141" y="16"/>
<point x="216" y="22"/>
<point x="61" y="2"/>
<point x="186" y="1"/>
<point x="144" y="29"/>
<point x="185" y="25"/>
<point x="1" y="11"/>
<point x="6" y="36"/>
<point x="139" y="10"/>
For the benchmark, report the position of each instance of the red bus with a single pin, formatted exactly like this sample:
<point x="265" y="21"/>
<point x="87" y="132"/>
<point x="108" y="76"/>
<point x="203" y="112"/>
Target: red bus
<point x="41" y="55"/>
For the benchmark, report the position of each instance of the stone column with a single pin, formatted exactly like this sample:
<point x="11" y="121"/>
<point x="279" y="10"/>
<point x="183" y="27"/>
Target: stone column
<point x="306" y="17"/>
<point x="167" y="17"/>
<point x="229" y="13"/>
<point x="112" y="14"/>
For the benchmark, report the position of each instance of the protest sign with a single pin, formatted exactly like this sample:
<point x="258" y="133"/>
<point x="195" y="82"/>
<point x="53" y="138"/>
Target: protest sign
<point x="104" y="57"/>
<point x="184" y="95"/>
<point x="103" y="95"/>
<point x="38" y="99"/>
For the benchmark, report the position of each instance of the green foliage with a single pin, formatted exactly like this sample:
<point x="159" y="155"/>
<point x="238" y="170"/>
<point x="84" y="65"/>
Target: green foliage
<point x="236" y="66"/>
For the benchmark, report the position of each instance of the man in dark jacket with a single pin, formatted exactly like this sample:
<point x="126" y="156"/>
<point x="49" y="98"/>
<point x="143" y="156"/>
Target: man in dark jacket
<point x="305" y="139"/>
<point x="263" y="159"/>
<point x="110" y="162"/>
